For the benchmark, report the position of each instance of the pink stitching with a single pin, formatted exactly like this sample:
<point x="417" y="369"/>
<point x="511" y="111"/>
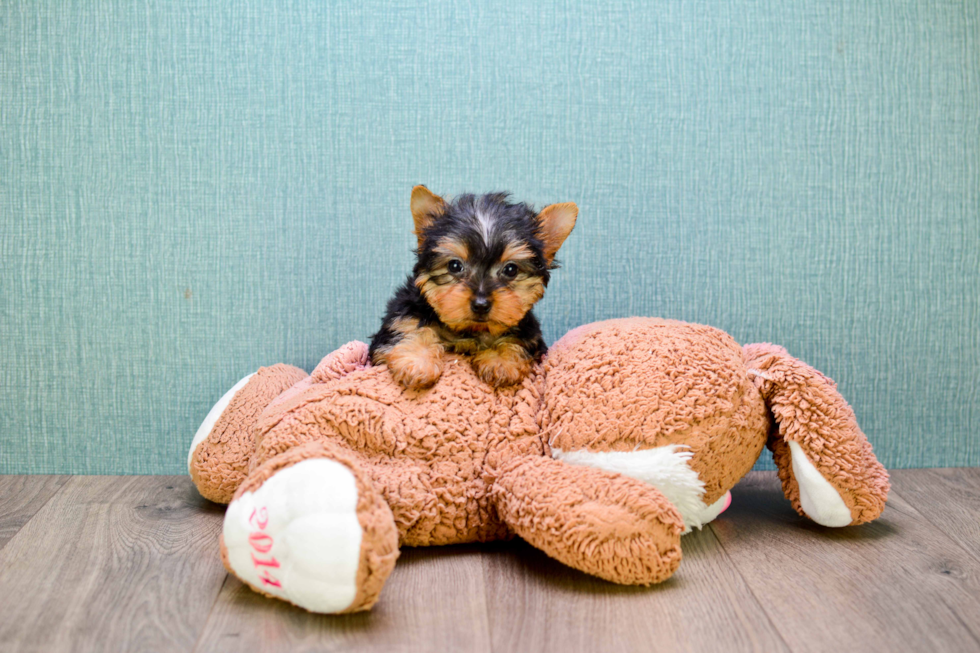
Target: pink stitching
<point x="261" y="542"/>
<point x="268" y="580"/>
<point x="263" y="517"/>
<point x="264" y="563"/>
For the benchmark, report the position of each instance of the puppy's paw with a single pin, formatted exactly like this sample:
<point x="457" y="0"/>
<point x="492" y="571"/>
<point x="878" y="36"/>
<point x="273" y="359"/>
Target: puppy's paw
<point x="502" y="367"/>
<point x="414" y="366"/>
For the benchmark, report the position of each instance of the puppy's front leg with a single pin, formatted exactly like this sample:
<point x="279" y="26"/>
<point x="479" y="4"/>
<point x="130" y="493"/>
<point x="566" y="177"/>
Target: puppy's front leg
<point x="506" y="362"/>
<point x="415" y="360"/>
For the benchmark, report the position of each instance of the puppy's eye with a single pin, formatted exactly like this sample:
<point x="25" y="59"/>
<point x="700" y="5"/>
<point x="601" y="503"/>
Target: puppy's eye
<point x="455" y="266"/>
<point x="509" y="271"/>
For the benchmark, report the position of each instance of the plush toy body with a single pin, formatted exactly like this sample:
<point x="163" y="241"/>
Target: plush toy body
<point x="628" y="435"/>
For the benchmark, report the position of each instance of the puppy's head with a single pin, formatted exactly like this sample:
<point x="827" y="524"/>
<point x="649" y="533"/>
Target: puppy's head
<point x="483" y="262"/>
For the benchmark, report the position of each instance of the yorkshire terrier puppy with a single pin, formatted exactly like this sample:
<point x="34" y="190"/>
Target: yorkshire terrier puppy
<point x="483" y="262"/>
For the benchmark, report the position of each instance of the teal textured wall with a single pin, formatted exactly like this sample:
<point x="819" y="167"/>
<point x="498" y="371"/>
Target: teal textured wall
<point x="191" y="190"/>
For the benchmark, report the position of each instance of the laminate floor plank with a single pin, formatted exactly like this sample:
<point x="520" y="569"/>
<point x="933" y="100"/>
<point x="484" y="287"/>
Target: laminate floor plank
<point x="434" y="600"/>
<point x="21" y="497"/>
<point x="131" y="563"/>
<point x="897" y="584"/>
<point x="538" y="604"/>
<point x="948" y="498"/>
<point x="112" y="564"/>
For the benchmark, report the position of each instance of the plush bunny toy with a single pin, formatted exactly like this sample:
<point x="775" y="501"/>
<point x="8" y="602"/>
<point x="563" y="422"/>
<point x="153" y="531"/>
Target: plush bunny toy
<point x="629" y="434"/>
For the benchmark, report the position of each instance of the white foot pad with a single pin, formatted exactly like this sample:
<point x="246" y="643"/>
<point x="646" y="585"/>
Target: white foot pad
<point x="818" y="498"/>
<point x="298" y="537"/>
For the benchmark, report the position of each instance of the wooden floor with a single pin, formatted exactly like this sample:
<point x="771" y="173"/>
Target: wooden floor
<point x="131" y="564"/>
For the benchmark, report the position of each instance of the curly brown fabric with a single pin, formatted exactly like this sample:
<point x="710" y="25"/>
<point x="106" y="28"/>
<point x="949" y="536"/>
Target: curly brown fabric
<point x="637" y="383"/>
<point x="222" y="460"/>
<point x="605" y="524"/>
<point x="810" y="411"/>
<point x="429" y="456"/>
<point x="466" y="462"/>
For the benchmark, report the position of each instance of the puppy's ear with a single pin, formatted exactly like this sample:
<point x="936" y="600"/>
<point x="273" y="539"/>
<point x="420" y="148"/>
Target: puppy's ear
<point x="426" y="207"/>
<point x="555" y="222"/>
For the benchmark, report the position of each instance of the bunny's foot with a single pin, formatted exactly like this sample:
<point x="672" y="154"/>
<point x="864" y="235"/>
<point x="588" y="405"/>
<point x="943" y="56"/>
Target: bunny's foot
<point x="309" y="527"/>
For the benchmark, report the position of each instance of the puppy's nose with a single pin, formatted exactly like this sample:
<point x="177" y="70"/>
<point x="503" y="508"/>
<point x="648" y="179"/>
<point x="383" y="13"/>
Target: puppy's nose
<point x="480" y="305"/>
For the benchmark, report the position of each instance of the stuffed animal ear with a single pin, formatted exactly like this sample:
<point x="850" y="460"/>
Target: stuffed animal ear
<point x="555" y="222"/>
<point x="426" y="207"/>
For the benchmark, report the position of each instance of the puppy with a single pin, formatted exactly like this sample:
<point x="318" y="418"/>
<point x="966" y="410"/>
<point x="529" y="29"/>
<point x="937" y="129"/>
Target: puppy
<point x="482" y="263"/>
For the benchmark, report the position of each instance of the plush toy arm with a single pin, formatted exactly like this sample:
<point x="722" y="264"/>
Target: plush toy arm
<point x="220" y="452"/>
<point x="599" y="522"/>
<point x="343" y="361"/>
<point x="825" y="462"/>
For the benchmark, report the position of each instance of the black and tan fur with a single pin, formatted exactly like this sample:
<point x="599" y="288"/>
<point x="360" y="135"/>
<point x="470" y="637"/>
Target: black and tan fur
<point x="482" y="263"/>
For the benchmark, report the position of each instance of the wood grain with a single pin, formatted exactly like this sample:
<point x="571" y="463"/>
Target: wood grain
<point x="434" y="600"/>
<point x="948" y="498"/>
<point x="131" y="563"/>
<point x="21" y="497"/>
<point x="112" y="563"/>
<point x="538" y="604"/>
<point x="897" y="584"/>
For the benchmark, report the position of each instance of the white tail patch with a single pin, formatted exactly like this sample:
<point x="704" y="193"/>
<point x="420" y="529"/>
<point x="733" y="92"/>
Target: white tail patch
<point x="665" y="468"/>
